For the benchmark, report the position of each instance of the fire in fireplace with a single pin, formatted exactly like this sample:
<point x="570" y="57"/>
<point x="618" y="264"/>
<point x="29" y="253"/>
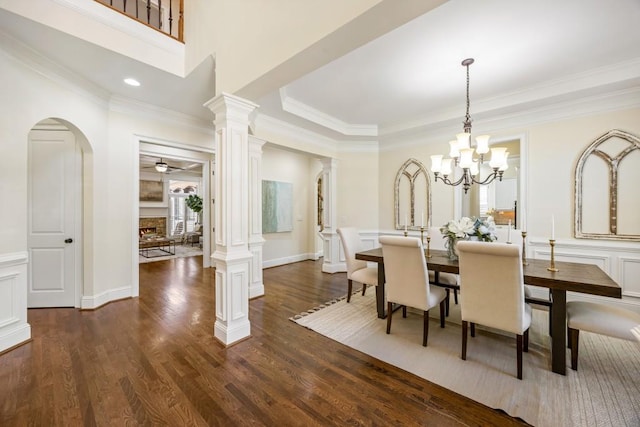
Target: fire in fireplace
<point x="146" y="230"/>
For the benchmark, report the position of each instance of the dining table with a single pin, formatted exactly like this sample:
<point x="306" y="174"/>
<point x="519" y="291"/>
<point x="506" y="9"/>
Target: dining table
<point x="572" y="277"/>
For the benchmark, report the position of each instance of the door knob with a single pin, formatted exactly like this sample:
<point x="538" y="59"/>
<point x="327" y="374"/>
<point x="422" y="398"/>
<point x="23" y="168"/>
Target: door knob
<point x="68" y="240"/>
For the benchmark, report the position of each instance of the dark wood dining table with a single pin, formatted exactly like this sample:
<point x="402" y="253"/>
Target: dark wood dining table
<point x="574" y="277"/>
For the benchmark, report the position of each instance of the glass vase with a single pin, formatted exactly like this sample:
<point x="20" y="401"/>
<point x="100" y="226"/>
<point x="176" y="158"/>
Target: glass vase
<point x="450" y="245"/>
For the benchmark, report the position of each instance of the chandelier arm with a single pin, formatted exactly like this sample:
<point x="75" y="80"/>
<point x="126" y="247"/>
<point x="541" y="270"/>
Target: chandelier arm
<point x="489" y="179"/>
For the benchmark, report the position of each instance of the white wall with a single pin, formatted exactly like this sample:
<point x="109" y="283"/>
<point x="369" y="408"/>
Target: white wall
<point x="358" y="190"/>
<point x="299" y="170"/>
<point x="108" y="139"/>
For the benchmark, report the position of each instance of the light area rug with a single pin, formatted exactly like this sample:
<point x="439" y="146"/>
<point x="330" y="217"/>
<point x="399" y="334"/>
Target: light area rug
<point x="181" y="252"/>
<point x="605" y="391"/>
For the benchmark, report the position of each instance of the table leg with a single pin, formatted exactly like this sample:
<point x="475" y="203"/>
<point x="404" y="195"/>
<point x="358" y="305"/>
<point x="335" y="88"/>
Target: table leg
<point x="559" y="333"/>
<point x="380" y="299"/>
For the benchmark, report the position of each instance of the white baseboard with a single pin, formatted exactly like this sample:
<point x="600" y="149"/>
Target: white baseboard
<point x="287" y="260"/>
<point x="92" y="302"/>
<point x="15" y="336"/>
<point x="256" y="291"/>
<point x="340" y="267"/>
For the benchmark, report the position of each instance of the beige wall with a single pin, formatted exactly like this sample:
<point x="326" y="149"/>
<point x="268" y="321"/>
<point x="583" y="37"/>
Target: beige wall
<point x="297" y="169"/>
<point x="358" y="192"/>
<point x="553" y="150"/>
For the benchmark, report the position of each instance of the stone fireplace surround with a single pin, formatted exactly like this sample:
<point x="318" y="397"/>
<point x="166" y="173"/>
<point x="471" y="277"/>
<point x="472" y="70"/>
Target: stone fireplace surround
<point x="146" y="224"/>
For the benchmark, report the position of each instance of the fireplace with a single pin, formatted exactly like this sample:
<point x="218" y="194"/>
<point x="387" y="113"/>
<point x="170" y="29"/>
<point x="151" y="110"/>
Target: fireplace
<point x="152" y="225"/>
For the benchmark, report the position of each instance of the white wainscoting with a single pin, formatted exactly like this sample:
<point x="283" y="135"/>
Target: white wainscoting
<point x="14" y="328"/>
<point x="620" y="260"/>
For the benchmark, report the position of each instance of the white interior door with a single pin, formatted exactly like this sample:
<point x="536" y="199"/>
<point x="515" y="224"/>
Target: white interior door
<point x="51" y="236"/>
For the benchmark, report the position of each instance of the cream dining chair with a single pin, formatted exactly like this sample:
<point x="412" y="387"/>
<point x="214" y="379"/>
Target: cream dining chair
<point x="493" y="292"/>
<point x="357" y="270"/>
<point x="600" y="319"/>
<point x="407" y="280"/>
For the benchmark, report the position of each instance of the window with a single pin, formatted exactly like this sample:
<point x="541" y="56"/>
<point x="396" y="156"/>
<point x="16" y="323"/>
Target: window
<point x="181" y="218"/>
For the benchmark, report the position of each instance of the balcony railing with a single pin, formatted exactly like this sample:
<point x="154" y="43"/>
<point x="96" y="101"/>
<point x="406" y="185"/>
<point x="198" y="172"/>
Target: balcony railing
<point x="165" y="16"/>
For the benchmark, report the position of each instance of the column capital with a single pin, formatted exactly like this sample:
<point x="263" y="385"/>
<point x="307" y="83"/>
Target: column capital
<point x="231" y="106"/>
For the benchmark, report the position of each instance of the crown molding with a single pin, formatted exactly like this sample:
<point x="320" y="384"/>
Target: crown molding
<point x="573" y="88"/>
<point x="263" y="123"/>
<point x="307" y="112"/>
<point x="135" y="108"/>
<point x="52" y="71"/>
<point x="561" y="109"/>
<point x="358" y="146"/>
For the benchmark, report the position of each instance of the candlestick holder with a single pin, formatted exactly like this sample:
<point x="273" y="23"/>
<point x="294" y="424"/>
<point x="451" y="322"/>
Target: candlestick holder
<point x="552" y="267"/>
<point x="524" y="248"/>
<point x="422" y="234"/>
<point x="428" y="246"/>
<point x="406" y="233"/>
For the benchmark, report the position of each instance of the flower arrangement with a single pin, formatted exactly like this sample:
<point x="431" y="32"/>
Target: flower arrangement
<point x="467" y="227"/>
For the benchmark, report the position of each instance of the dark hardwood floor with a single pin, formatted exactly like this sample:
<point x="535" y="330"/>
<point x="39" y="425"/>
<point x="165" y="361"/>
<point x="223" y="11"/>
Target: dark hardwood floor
<point x="153" y="361"/>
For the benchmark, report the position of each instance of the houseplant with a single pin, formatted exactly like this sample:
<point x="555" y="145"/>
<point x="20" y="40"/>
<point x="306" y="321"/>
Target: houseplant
<point x="194" y="202"/>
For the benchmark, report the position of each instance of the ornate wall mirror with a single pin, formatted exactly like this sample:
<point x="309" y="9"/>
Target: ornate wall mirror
<point x="412" y="196"/>
<point x="606" y="196"/>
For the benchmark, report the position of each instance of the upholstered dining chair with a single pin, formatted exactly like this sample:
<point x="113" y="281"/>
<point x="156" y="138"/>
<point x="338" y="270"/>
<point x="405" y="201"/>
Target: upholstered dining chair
<point x="407" y="280"/>
<point x="493" y="292"/>
<point x="601" y="319"/>
<point x="357" y="270"/>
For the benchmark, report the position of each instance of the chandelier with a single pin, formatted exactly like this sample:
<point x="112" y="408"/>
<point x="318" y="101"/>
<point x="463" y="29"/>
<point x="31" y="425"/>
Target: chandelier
<point x="462" y="155"/>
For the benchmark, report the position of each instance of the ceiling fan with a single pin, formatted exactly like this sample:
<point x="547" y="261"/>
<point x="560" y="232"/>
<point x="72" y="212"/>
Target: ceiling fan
<point x="163" y="167"/>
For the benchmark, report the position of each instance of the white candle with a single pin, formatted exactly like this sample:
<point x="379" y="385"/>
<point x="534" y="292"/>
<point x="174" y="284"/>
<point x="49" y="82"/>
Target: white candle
<point x="405" y="222"/>
<point x="553" y="228"/>
<point x="523" y="222"/>
<point x="422" y="220"/>
<point x="509" y="232"/>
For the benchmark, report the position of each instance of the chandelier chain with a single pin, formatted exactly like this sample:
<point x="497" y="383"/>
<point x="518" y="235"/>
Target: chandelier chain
<point x="467" y="121"/>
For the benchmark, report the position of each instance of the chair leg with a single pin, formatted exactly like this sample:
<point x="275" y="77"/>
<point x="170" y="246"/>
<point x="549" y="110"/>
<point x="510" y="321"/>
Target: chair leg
<point x="519" y="345"/>
<point x="349" y="289"/>
<point x="447" y="303"/>
<point x="404" y="311"/>
<point x="574" y="335"/>
<point x="464" y="340"/>
<point x="364" y="288"/>
<point x="389" y="314"/>
<point x="442" y="309"/>
<point x="455" y="296"/>
<point x="473" y="330"/>
<point x="568" y="337"/>
<point x="526" y="341"/>
<point x="425" y="330"/>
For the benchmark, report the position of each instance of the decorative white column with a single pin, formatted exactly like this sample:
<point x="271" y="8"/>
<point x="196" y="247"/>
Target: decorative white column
<point x="256" y="285"/>
<point x="331" y="247"/>
<point x="232" y="257"/>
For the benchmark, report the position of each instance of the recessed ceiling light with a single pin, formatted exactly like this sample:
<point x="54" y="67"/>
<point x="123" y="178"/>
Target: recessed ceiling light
<point x="131" y="82"/>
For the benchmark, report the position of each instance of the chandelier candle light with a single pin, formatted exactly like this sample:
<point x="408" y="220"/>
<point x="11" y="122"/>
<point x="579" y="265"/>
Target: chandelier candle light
<point x="461" y="155"/>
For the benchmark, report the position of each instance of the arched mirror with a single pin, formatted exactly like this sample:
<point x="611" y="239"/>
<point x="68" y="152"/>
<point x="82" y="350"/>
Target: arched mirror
<point x="606" y="195"/>
<point x="412" y="196"/>
<point x="503" y="200"/>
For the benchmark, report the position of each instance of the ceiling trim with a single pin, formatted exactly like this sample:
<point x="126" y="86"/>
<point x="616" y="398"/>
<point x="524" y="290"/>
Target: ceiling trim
<point x="562" y="109"/>
<point x="307" y="112"/>
<point x="574" y="86"/>
<point x="263" y="123"/>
